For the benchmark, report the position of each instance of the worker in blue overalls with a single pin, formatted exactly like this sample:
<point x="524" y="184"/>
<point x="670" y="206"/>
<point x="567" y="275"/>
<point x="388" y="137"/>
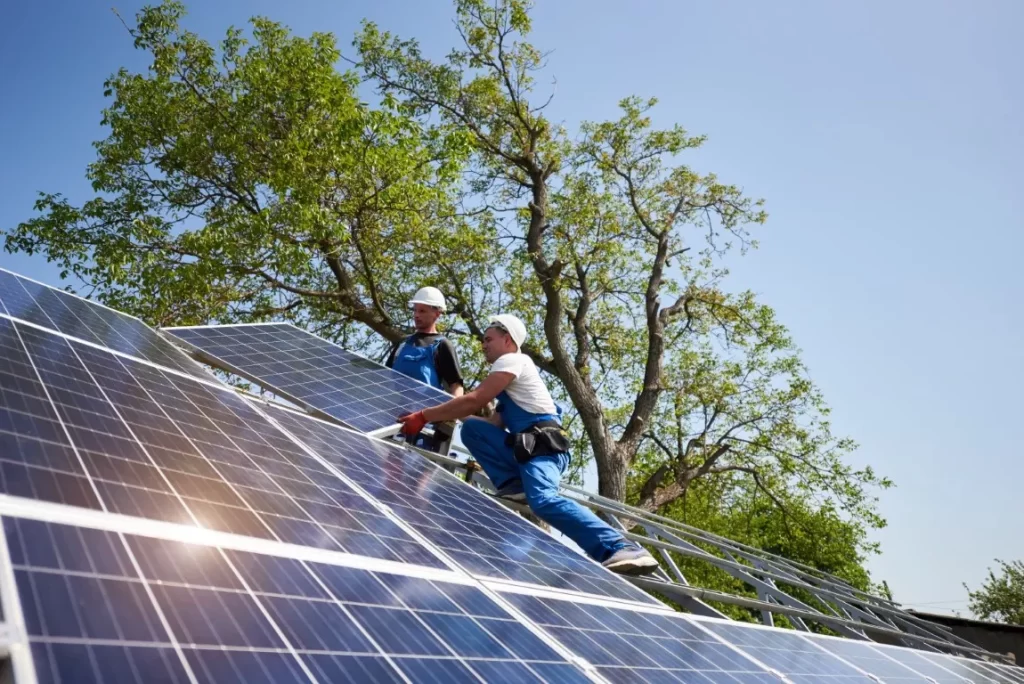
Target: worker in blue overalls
<point x="523" y="448"/>
<point x="430" y="357"/>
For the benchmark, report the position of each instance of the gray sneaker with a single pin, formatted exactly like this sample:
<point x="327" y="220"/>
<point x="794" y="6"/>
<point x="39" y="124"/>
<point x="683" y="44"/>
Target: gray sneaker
<point x="513" y="491"/>
<point x="631" y="560"/>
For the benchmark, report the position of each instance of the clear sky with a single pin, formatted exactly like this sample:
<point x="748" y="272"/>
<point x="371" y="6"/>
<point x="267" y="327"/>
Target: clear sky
<point x="887" y="137"/>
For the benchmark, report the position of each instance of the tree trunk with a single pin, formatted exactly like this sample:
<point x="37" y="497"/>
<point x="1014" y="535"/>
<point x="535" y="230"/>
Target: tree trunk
<point x="612" y="468"/>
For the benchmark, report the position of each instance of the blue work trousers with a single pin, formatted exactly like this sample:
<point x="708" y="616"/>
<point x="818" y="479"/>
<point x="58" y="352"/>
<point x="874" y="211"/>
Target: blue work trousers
<point x="540" y="477"/>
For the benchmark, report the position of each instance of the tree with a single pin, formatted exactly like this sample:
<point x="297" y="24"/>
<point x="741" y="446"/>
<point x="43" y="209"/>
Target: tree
<point x="250" y="182"/>
<point x="1001" y="597"/>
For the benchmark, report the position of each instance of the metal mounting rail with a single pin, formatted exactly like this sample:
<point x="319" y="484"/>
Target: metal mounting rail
<point x="838" y="606"/>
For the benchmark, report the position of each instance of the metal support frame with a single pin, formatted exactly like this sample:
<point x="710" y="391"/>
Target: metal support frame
<point x="843" y="608"/>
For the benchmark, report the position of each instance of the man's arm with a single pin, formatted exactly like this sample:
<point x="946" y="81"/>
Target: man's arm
<point x="470" y="402"/>
<point x="390" y="363"/>
<point x="446" y="360"/>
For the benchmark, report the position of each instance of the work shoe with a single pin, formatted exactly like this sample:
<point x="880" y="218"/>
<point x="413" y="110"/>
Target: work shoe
<point x="631" y="560"/>
<point x="513" y="491"/>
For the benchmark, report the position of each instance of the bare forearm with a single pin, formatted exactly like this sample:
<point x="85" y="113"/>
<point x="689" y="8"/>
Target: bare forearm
<point x="456" y="408"/>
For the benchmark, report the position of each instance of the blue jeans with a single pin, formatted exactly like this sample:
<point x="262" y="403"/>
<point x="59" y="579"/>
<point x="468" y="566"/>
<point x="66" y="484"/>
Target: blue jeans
<point x="540" y="477"/>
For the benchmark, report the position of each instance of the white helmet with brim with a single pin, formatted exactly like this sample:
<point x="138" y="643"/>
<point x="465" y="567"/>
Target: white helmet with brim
<point x="512" y="325"/>
<point x="430" y="296"/>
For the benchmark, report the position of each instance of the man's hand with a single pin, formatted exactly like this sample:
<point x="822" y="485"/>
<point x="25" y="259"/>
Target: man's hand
<point x="412" y="423"/>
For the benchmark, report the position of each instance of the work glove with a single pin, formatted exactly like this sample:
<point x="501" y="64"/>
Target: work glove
<point x="412" y="423"/>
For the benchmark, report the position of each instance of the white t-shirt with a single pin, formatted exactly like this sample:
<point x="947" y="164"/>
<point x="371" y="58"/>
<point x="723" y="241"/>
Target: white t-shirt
<point x="527" y="390"/>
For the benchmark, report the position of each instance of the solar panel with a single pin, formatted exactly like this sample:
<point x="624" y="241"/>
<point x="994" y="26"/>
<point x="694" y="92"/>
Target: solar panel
<point x="871" y="660"/>
<point x="66" y="313"/>
<point x="132" y="439"/>
<point x="481" y="535"/>
<point x="974" y="670"/>
<point x="787" y="652"/>
<point x="310" y="371"/>
<point x="917" y="661"/>
<point x="635" y="646"/>
<point x="1014" y="673"/>
<point x="104" y="606"/>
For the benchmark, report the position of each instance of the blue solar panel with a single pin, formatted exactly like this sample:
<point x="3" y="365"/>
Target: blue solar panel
<point x="787" y="652"/>
<point x="974" y="670"/>
<point x="919" y="662"/>
<point x="36" y="457"/>
<point x="107" y="607"/>
<point x="484" y="537"/>
<point x="58" y="310"/>
<point x="633" y="646"/>
<point x="310" y="371"/>
<point x="869" y="659"/>
<point x="157" y="445"/>
<point x="1014" y="673"/>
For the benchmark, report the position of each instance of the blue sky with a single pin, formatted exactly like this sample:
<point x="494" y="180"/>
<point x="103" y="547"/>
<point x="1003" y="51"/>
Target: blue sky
<point x="888" y="139"/>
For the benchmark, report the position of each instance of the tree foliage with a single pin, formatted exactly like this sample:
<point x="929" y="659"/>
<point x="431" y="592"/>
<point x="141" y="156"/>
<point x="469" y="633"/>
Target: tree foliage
<point x="1001" y="596"/>
<point x="249" y="181"/>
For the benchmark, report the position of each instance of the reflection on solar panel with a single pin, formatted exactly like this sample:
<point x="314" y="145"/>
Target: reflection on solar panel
<point x="478" y="533"/>
<point x="312" y="372"/>
<point x="916" y="661"/>
<point x="787" y="652"/>
<point x="104" y="606"/>
<point x="868" y="659"/>
<point x="633" y="646"/>
<point x="157" y="445"/>
<point x="972" y="670"/>
<point x="57" y="310"/>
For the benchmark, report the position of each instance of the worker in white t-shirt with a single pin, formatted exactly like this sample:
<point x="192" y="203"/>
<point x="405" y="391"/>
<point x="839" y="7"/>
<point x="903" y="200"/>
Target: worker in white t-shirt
<point x="523" y="448"/>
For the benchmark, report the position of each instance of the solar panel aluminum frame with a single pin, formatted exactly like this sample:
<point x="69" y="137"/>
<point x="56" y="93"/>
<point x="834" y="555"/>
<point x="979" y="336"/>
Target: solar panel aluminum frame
<point x="204" y="357"/>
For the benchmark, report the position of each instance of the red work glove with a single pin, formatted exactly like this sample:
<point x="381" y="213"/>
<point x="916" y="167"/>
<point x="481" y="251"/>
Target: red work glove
<point x="412" y="423"/>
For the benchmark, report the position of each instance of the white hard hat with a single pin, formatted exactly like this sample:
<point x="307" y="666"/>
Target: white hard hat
<point x="430" y="296"/>
<point x="512" y="325"/>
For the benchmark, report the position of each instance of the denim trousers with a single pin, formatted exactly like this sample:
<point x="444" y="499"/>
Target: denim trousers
<point x="540" y="477"/>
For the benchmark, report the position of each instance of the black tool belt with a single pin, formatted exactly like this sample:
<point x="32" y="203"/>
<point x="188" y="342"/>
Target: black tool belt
<point x="540" y="439"/>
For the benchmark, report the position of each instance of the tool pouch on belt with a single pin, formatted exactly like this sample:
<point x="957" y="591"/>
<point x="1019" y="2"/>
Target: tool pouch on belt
<point x="542" y="439"/>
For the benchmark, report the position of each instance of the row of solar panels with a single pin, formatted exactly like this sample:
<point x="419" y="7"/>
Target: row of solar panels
<point x="328" y="555"/>
<point x="103" y="605"/>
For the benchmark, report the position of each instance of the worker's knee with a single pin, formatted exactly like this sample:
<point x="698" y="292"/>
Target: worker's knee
<point x="543" y="500"/>
<point x="472" y="432"/>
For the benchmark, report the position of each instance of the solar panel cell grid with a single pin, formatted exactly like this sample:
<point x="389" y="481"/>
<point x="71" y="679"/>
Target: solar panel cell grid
<point x="230" y="616"/>
<point x="36" y="457"/>
<point x="633" y="646"/>
<point x="978" y="670"/>
<point x="871" y="660"/>
<point x="788" y="653"/>
<point x="478" y="533"/>
<point x="159" y="446"/>
<point x="58" y="310"/>
<point x="304" y="368"/>
<point x="917" y="661"/>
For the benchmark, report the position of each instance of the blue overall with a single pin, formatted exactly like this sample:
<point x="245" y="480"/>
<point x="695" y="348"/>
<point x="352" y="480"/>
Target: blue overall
<point x="540" y="477"/>
<point x="418" y="362"/>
